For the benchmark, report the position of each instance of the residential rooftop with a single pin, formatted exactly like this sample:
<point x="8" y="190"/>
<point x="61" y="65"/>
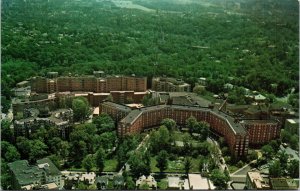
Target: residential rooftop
<point x="25" y="173"/>
<point x="48" y="167"/>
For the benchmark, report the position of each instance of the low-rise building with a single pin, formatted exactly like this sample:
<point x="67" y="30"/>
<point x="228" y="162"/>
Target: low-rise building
<point x="62" y="119"/>
<point x="101" y="182"/>
<point x="28" y="177"/>
<point x="51" y="172"/>
<point x="150" y="181"/>
<point x="254" y="181"/>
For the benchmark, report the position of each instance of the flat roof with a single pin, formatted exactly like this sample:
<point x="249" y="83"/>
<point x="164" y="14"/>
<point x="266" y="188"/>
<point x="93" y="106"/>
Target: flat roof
<point x="24" y="173"/>
<point x="50" y="168"/>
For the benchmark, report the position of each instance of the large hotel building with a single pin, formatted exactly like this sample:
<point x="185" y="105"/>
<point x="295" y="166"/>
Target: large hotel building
<point x="238" y="134"/>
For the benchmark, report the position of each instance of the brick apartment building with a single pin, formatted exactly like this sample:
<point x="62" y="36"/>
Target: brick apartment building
<point x="116" y="111"/>
<point x="96" y="83"/>
<point x="261" y="131"/>
<point x="170" y="85"/>
<point x="138" y="120"/>
<point x="237" y="134"/>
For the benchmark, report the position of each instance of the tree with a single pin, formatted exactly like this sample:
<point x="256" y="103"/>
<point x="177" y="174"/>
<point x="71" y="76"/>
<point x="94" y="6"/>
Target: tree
<point x="81" y="186"/>
<point x="240" y="164"/>
<point x="5" y="104"/>
<point x="107" y="140"/>
<point x="56" y="160"/>
<point x="293" y="168"/>
<point x="162" y="160"/>
<point x="204" y="130"/>
<point x="78" y="151"/>
<point x="38" y="150"/>
<point x="267" y="151"/>
<point x="144" y="186"/>
<point x="294" y="142"/>
<point x="139" y="165"/>
<point x="160" y="139"/>
<point x="274" y="144"/>
<point x="199" y="90"/>
<point x="24" y="146"/>
<point x="104" y="123"/>
<point x="80" y="108"/>
<point x="6" y="131"/>
<point x="285" y="136"/>
<point x="219" y="179"/>
<point x="222" y="142"/>
<point x="252" y="155"/>
<point x="64" y="149"/>
<point x="202" y="161"/>
<point x="187" y="165"/>
<point x="11" y="154"/>
<point x="283" y="158"/>
<point x="169" y="123"/>
<point x="275" y="169"/>
<point x="88" y="163"/>
<point x="130" y="184"/>
<point x="191" y="124"/>
<point x="225" y="150"/>
<point x="100" y="155"/>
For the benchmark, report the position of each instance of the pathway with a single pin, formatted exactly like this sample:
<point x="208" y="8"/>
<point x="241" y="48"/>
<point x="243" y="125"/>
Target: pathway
<point x="126" y="166"/>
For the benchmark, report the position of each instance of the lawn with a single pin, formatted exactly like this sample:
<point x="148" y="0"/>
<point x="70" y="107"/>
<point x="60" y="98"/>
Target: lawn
<point x="232" y="169"/>
<point x="175" y="166"/>
<point x="109" y="165"/>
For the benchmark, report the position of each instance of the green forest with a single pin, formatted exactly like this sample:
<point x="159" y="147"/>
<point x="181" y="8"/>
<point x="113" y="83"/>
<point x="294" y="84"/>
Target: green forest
<point x="248" y="43"/>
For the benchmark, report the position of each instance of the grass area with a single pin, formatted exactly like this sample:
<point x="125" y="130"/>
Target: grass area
<point x="153" y="165"/>
<point x="175" y="166"/>
<point x="232" y="169"/>
<point x="109" y="165"/>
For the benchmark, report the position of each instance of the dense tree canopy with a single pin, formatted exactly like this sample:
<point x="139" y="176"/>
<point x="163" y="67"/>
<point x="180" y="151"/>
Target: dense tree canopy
<point x="188" y="40"/>
<point x="81" y="108"/>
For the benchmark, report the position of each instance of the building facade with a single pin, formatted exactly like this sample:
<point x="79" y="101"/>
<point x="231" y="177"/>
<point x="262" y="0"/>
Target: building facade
<point x="116" y="111"/>
<point x="261" y="131"/>
<point x="94" y="83"/>
<point x="170" y="85"/>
